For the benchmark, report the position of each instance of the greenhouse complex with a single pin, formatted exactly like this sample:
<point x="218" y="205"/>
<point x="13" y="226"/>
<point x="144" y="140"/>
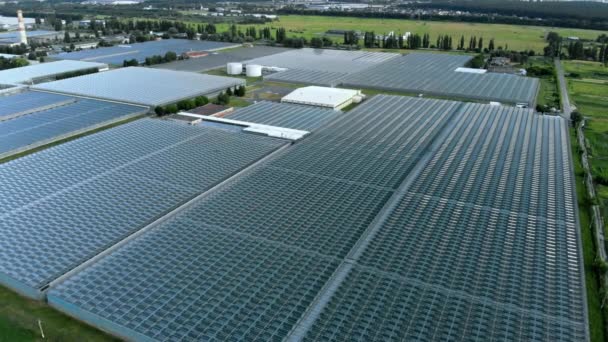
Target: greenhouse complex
<point x="289" y="211"/>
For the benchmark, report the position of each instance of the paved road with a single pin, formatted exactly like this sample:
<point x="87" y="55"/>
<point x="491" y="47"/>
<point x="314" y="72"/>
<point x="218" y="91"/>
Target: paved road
<point x="563" y="88"/>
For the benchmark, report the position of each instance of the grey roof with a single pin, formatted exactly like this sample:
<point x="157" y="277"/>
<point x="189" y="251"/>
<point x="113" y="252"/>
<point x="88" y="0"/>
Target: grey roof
<point x="324" y="60"/>
<point x="220" y="58"/>
<point x="246" y="261"/>
<point x="30" y="73"/>
<point x="62" y="206"/>
<point x="434" y="74"/>
<point x="320" y="78"/>
<point x="403" y="219"/>
<point x="139" y="51"/>
<point x="144" y="86"/>
<point x="483" y="245"/>
<point x="12" y="37"/>
<point x="31" y="119"/>
<point x="285" y="115"/>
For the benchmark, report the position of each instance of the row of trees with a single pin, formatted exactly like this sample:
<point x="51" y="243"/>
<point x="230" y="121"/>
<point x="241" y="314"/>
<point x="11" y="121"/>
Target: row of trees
<point x="9" y="63"/>
<point x="223" y="98"/>
<point x="416" y="41"/>
<point x="181" y="105"/>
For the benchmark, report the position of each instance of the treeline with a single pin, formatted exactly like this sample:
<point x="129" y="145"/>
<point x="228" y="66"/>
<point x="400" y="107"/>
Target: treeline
<point x="76" y="73"/>
<point x="596" y="50"/>
<point x="596" y="24"/>
<point x="9" y="63"/>
<point x="181" y="105"/>
<point x="554" y="9"/>
<point x="442" y="42"/>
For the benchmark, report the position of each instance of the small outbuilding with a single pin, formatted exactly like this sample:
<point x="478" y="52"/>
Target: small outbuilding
<point x="335" y="98"/>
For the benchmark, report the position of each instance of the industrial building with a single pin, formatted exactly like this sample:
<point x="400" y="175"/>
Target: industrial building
<point x="62" y="206"/>
<point x="11" y="23"/>
<point x="438" y="75"/>
<point x="12" y="38"/>
<point x="334" y="98"/>
<point x="441" y="75"/>
<point x="342" y="236"/>
<point x="318" y="66"/>
<point x="44" y="72"/>
<point x="116" y="55"/>
<point x="404" y="218"/>
<point x="31" y="119"/>
<point x="142" y="86"/>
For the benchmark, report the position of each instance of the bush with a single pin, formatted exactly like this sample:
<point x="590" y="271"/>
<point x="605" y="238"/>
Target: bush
<point x="201" y="101"/>
<point x="186" y="104"/>
<point x="172" y="108"/>
<point x="239" y="91"/>
<point x="576" y="117"/>
<point x="222" y="99"/>
<point x="478" y="62"/>
<point x="537" y="70"/>
<point x="159" y="110"/>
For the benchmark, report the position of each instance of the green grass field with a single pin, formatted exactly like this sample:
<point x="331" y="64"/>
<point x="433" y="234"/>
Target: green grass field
<point x="591" y="99"/>
<point x="512" y="36"/>
<point x="592" y="284"/>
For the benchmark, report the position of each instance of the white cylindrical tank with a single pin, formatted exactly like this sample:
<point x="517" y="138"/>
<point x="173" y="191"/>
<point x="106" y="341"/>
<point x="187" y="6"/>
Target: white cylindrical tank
<point x="254" y="70"/>
<point x="234" y="68"/>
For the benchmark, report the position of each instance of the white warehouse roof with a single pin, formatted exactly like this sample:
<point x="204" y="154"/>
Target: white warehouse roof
<point x="321" y="96"/>
<point x="471" y="70"/>
<point x="142" y="86"/>
<point x="30" y="73"/>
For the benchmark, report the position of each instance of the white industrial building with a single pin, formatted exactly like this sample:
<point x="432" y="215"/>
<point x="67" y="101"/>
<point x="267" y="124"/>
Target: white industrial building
<point x="335" y="98"/>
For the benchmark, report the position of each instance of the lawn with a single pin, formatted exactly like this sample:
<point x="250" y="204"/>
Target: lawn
<point x="19" y="322"/>
<point x="514" y="37"/>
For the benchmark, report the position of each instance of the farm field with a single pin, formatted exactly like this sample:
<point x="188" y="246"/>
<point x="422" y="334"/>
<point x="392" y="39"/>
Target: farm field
<point x="589" y="94"/>
<point x="512" y="36"/>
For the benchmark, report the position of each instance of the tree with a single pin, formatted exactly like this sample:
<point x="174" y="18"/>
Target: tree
<point x="31" y="56"/>
<point x="66" y="37"/>
<point x="461" y="44"/>
<point x="241" y="91"/>
<point x="477" y="62"/>
<point x="576" y="117"/>
<point x="170" y="56"/>
<point x="172" y="108"/>
<point x="222" y="99"/>
<point x="229" y="91"/>
<point x="201" y="101"/>
<point x="491" y="45"/>
<point x="316" y="42"/>
<point x="159" y="110"/>
<point x="480" y="44"/>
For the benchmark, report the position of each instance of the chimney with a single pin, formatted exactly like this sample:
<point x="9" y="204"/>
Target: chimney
<point x="21" y="27"/>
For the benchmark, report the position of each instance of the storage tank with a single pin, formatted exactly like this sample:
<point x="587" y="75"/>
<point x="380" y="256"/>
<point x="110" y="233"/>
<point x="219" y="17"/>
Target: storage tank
<point x="254" y="70"/>
<point x="234" y="68"/>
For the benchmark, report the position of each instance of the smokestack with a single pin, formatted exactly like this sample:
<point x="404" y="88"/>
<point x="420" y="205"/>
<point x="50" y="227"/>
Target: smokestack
<point x="21" y="28"/>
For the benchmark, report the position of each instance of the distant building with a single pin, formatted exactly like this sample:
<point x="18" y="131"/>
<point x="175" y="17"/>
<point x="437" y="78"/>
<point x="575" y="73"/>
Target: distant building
<point x="500" y="61"/>
<point x="335" y="98"/>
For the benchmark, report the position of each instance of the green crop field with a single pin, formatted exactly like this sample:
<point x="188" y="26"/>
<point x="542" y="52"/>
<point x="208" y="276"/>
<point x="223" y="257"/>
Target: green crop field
<point x="513" y="36"/>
